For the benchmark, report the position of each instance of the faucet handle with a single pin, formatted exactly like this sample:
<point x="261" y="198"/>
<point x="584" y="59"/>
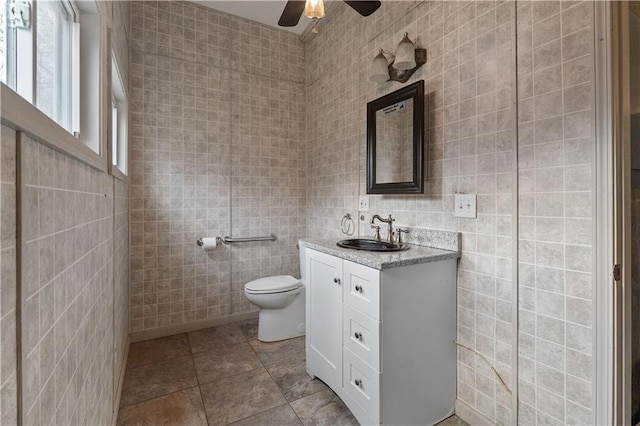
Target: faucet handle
<point x="377" y="228"/>
<point x="400" y="232"/>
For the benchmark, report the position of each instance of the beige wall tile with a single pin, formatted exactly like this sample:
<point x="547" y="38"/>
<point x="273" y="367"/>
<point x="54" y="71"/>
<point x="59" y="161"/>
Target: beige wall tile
<point x="67" y="286"/>
<point x="470" y="148"/>
<point x="551" y="409"/>
<point x="8" y="278"/>
<point x="576" y="71"/>
<point x="576" y="45"/>
<point x="219" y="149"/>
<point x="563" y="165"/>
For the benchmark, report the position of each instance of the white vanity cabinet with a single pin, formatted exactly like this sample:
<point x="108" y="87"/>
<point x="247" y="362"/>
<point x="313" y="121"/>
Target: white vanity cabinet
<point x="383" y="340"/>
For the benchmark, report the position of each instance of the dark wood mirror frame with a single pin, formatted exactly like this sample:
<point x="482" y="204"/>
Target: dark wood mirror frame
<point x="414" y="91"/>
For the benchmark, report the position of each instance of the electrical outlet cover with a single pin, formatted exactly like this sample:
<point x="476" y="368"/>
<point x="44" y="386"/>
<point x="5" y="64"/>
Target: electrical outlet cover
<point x="363" y="204"/>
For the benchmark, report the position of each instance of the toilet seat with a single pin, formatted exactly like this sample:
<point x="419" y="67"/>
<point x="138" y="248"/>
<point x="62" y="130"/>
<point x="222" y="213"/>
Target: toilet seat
<point x="275" y="284"/>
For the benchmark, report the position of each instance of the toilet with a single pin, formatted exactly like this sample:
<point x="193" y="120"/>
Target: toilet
<point x="281" y="300"/>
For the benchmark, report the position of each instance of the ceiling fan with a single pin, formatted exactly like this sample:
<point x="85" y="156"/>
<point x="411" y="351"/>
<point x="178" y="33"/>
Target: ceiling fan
<point x="315" y="9"/>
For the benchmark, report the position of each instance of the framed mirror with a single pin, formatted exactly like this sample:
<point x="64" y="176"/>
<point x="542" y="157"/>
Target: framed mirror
<point x="395" y="142"/>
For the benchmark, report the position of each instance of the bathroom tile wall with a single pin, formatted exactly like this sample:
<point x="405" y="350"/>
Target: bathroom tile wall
<point x="120" y="36"/>
<point x="120" y="45"/>
<point x="218" y="148"/>
<point x="8" y="276"/>
<point x="66" y="291"/>
<point x="120" y="277"/>
<point x="66" y="282"/>
<point x="333" y="127"/>
<point x="635" y="297"/>
<point x="268" y="178"/>
<point x="470" y="133"/>
<point x="555" y="145"/>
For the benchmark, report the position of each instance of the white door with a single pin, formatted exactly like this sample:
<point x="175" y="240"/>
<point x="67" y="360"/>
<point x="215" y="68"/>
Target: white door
<point x="324" y="318"/>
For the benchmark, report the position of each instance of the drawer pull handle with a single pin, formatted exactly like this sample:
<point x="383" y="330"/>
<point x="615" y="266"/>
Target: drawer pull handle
<point x="357" y="335"/>
<point x="358" y="382"/>
<point x="336" y="280"/>
<point x="359" y="288"/>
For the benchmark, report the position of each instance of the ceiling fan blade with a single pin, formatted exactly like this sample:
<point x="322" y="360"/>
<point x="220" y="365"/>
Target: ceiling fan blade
<point x="364" y="8"/>
<point x="291" y="13"/>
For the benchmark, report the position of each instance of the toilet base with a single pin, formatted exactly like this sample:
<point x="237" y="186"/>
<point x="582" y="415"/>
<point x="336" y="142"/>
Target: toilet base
<point x="282" y="324"/>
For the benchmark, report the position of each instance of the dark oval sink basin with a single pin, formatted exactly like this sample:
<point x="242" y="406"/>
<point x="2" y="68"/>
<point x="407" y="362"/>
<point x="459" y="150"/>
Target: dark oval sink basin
<point x="371" y="245"/>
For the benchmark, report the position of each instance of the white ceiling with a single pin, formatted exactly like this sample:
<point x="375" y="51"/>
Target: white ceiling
<point x="265" y="11"/>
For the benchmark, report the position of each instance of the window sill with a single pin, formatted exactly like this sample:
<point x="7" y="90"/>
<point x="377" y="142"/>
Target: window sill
<point x="117" y="173"/>
<point x="21" y="115"/>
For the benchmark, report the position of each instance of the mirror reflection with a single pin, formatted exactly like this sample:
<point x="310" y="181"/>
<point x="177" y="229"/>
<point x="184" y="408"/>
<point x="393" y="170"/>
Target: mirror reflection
<point x="394" y="143"/>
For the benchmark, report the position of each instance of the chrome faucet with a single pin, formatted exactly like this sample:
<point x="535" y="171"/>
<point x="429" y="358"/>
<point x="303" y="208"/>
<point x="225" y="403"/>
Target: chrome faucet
<point x="388" y="221"/>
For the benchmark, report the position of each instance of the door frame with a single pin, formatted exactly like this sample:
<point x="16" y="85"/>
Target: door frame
<point x="613" y="213"/>
<point x="611" y="392"/>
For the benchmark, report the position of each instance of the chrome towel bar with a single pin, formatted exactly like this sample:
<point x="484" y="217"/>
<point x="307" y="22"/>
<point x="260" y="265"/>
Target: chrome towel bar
<point x="228" y="240"/>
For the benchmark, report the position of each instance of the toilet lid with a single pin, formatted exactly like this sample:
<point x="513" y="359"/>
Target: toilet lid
<point x="276" y="284"/>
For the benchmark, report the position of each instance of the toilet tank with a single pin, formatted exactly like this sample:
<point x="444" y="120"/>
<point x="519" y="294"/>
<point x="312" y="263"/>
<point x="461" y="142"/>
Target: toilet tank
<point x="303" y="264"/>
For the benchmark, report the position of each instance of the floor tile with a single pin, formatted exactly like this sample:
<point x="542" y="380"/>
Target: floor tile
<point x="179" y="408"/>
<point x="249" y="328"/>
<point x="234" y="398"/>
<point x="323" y="408"/>
<point x="279" y="416"/>
<point x="155" y="350"/>
<point x="225" y="361"/>
<point x="153" y="380"/>
<point x="293" y="380"/>
<point x="453" y="421"/>
<point x="216" y="337"/>
<point x="280" y="353"/>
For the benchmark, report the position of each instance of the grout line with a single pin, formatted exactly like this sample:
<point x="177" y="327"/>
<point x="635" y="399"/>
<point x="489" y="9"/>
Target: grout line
<point x="155" y="397"/>
<point x="204" y="407"/>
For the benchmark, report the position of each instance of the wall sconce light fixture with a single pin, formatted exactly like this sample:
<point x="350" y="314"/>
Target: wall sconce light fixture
<point x="403" y="64"/>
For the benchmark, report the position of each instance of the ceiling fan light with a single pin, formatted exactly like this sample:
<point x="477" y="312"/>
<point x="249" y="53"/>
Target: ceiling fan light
<point x="405" y="54"/>
<point x="379" y="68"/>
<point x="314" y="9"/>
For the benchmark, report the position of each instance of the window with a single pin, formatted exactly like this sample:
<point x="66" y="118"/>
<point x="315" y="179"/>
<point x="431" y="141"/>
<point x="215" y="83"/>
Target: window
<point x="47" y="77"/>
<point x="119" y="119"/>
<point x="3" y="41"/>
<point x="114" y="131"/>
<point x="54" y="61"/>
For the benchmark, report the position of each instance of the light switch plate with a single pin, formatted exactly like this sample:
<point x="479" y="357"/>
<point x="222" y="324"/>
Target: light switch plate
<point x="465" y="206"/>
<point x="363" y="204"/>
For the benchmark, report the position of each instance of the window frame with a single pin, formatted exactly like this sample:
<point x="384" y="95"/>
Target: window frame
<point x="120" y="148"/>
<point x="23" y="67"/>
<point x="21" y="115"/>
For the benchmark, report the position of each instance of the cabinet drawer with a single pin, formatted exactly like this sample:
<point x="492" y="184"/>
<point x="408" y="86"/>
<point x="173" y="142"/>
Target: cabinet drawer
<point x="361" y="335"/>
<point x="362" y="383"/>
<point x="362" y="288"/>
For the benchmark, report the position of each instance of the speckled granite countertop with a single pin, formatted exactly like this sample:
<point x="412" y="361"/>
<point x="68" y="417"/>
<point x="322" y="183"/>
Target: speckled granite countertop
<point x="416" y="254"/>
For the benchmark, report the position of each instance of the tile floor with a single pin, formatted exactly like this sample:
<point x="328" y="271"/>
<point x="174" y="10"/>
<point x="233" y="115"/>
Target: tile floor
<point x="224" y="375"/>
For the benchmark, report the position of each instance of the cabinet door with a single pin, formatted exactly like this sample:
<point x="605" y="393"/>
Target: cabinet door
<point x="324" y="318"/>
